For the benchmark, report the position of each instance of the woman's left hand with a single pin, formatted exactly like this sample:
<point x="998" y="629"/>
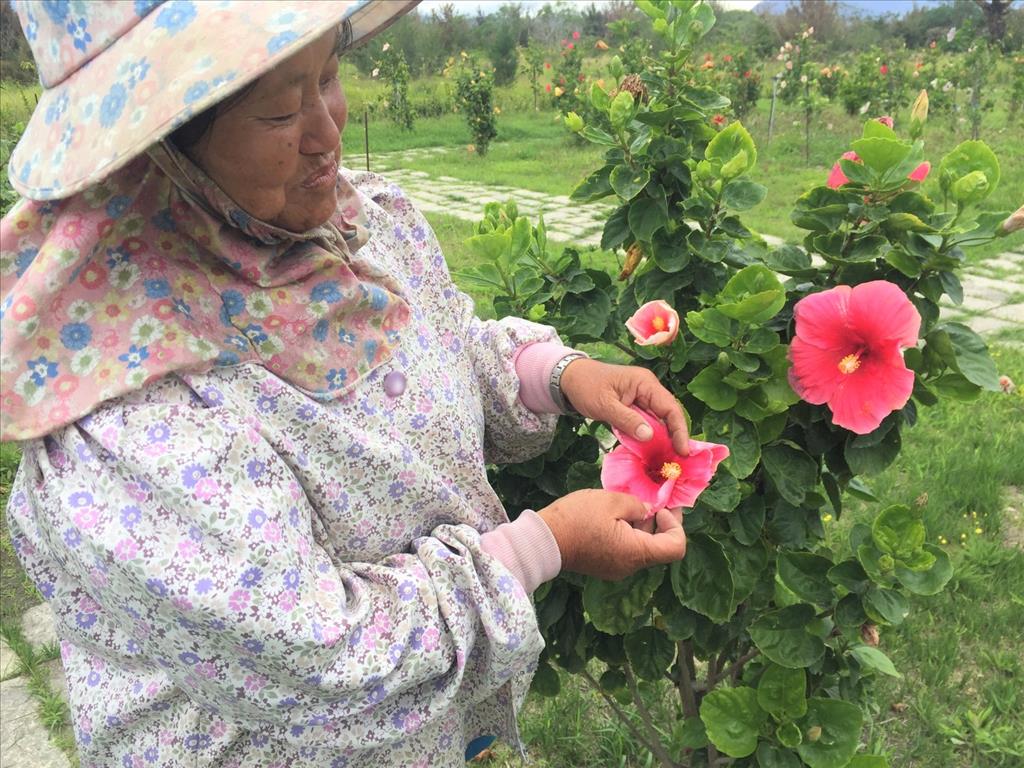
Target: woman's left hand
<point x="605" y="392"/>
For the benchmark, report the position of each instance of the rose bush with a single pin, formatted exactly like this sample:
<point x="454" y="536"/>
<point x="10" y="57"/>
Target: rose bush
<point x="767" y="629"/>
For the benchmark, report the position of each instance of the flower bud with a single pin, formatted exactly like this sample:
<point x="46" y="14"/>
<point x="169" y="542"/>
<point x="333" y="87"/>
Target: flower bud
<point x="869" y="634"/>
<point x="813" y="733"/>
<point x="574" y="122"/>
<point x="633" y="256"/>
<point x="1014" y="222"/>
<point x="1006" y="384"/>
<point x="886" y="563"/>
<point x="918" y="115"/>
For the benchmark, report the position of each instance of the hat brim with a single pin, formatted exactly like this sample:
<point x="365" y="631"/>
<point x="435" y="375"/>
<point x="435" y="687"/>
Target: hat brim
<point x="133" y="93"/>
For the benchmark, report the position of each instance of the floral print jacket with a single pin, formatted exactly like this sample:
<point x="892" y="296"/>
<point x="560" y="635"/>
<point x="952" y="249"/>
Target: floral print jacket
<point x="243" y="576"/>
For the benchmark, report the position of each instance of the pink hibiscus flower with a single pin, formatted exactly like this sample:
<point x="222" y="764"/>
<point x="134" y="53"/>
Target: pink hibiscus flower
<point x="654" y="473"/>
<point x="654" y="324"/>
<point x="847" y="352"/>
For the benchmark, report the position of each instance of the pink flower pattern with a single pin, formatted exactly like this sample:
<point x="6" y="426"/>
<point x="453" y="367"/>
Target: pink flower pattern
<point x="237" y="653"/>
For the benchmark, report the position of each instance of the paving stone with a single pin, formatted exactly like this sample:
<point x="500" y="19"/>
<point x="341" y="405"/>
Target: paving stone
<point x="1014" y="312"/>
<point x="24" y="742"/>
<point x="37" y="625"/>
<point x="9" y="663"/>
<point x="986" y="324"/>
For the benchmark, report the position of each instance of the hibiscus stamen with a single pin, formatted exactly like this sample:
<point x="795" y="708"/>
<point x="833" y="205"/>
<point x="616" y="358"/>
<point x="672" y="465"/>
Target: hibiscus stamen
<point x="849" y="364"/>
<point x="670" y="470"/>
<point x="658" y="323"/>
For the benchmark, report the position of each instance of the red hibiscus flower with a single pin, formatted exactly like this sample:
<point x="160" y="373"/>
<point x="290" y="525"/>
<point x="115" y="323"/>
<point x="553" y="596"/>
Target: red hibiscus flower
<point x="718" y="121"/>
<point x="847" y="352"/>
<point x="884" y="69"/>
<point x="653" y="471"/>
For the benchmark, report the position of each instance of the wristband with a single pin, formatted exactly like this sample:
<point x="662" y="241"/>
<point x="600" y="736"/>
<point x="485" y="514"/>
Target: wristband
<point x="555" y="383"/>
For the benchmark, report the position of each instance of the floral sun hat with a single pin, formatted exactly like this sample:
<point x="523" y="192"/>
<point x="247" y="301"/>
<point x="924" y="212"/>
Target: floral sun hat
<point x="119" y="75"/>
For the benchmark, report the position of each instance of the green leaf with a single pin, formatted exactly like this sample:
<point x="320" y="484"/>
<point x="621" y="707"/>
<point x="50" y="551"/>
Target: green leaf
<point x="789" y="735"/>
<point x="614" y="606"/>
<point x="692" y="733"/>
<point x="545" y="681"/>
<point x="967" y="158"/>
<point x="733" y="718"/>
<point x="850" y="575"/>
<point x="708" y="387"/>
<point x="616" y="229"/>
<point x="929" y="582"/>
<point x="782" y="692"/>
<point x="741" y="438"/>
<point x="782" y="636"/>
<point x="646" y="216"/>
<point x="627" y="182"/>
<point x="876" y="130"/>
<point x="820" y="209"/>
<point x="596" y="186"/>
<point x="711" y="326"/>
<point x="723" y="494"/>
<point x="599" y="98"/>
<point x="886" y="606"/>
<point x="743" y="194"/>
<point x="898" y="530"/>
<point x="880" y="154"/>
<point x="728" y="143"/>
<point x="650" y="652"/>
<point x="872" y="658"/>
<point x="868" y="761"/>
<point x="836" y="743"/>
<point x="970" y="355"/>
<point x="904" y="262"/>
<point x="849" y="612"/>
<point x="806" y="575"/>
<point x="670" y="253"/>
<point x="771" y="756"/>
<point x="747" y="521"/>
<point x="586" y="314"/>
<point x="491" y="248"/>
<point x="867" y="457"/>
<point x="613" y="680"/>
<point x="792" y="471"/>
<point x="702" y="580"/>
<point x="597" y="136"/>
<point x="790" y="260"/>
<point x="752" y="295"/>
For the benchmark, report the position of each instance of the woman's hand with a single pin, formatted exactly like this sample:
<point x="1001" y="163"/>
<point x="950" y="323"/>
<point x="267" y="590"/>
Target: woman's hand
<point x="605" y="392"/>
<point x="595" y="534"/>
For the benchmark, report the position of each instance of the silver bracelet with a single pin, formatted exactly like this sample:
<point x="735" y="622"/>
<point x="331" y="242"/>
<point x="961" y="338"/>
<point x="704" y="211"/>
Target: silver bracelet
<point x="555" y="383"/>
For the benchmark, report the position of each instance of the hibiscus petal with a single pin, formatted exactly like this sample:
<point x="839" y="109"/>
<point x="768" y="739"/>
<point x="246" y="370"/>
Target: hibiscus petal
<point x="814" y="374"/>
<point x="697" y="470"/>
<point x="836" y="178"/>
<point x="652" y="450"/>
<point x="625" y="472"/>
<point x="821" y="318"/>
<point x="881" y="385"/>
<point x="880" y="310"/>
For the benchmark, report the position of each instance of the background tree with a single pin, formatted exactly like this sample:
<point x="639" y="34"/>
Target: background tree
<point x="995" y="17"/>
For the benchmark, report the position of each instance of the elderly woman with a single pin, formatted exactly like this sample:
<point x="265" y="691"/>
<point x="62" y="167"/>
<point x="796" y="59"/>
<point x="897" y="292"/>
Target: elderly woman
<point x="255" y="411"/>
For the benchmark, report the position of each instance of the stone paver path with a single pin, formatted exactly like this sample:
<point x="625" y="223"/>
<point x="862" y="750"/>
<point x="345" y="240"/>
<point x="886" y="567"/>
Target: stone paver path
<point x="993" y="305"/>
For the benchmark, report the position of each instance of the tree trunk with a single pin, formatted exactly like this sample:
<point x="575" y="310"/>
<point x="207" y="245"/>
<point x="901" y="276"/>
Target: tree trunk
<point x="995" y="17"/>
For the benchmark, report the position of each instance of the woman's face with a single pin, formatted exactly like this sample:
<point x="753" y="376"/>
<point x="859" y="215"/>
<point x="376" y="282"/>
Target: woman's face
<point x="276" y="151"/>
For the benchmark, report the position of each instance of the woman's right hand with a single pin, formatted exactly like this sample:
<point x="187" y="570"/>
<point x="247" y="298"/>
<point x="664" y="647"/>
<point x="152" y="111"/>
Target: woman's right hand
<point x="596" y="536"/>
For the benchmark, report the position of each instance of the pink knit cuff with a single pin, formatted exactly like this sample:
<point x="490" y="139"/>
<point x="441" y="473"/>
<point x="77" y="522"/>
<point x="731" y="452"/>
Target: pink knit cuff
<point x="526" y="547"/>
<point x="534" y="363"/>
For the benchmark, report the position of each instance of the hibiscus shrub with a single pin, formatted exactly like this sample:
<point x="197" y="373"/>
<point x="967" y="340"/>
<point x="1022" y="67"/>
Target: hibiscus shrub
<point x="807" y="363"/>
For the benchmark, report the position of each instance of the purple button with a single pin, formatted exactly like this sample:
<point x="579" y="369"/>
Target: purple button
<point x="394" y="384"/>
